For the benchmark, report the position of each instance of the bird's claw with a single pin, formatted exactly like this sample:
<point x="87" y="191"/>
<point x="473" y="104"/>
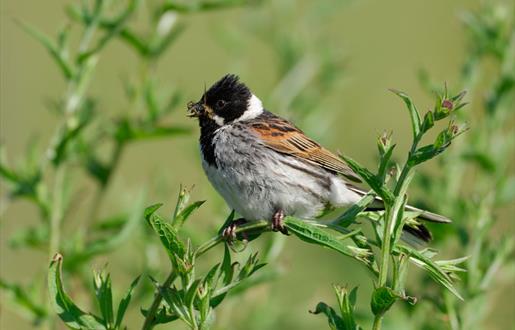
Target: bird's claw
<point x="229" y="232"/>
<point x="277" y="222"/>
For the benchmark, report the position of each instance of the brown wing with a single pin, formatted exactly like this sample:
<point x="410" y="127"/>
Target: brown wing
<point x="280" y="135"/>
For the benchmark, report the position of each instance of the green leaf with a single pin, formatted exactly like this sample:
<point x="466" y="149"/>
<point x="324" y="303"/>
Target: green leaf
<point x="98" y="170"/>
<point x="192" y="293"/>
<point x="104" y="294"/>
<point x="372" y="180"/>
<point x="312" y="234"/>
<point x="162" y="316"/>
<point x="198" y="6"/>
<point x="226" y="273"/>
<point x="400" y="273"/>
<point x="209" y="279"/>
<point x="251" y="266"/>
<point x="151" y="100"/>
<point x="65" y="308"/>
<point x="428" y="122"/>
<point x="167" y="234"/>
<point x="227" y="268"/>
<point x="175" y="300"/>
<point x="386" y="155"/>
<point x="424" y="154"/>
<point x="124" y="303"/>
<point x="57" y="54"/>
<point x="382" y="299"/>
<point x="347" y="303"/>
<point x="179" y="220"/>
<point x="151" y="210"/>
<point x="433" y="269"/>
<point x="116" y="26"/>
<point x="128" y="131"/>
<point x="70" y="131"/>
<point x="335" y="321"/>
<point x="414" y="115"/>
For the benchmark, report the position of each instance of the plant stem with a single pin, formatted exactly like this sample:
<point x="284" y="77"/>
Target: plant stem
<point x="149" y="320"/>
<point x="391" y="216"/>
<point x="378" y="320"/>
<point x="56" y="217"/>
<point x="385" y="247"/>
<point x="57" y="210"/>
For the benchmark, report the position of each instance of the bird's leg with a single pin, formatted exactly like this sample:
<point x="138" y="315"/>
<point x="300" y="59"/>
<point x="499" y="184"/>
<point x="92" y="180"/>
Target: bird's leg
<point x="229" y="232"/>
<point x="277" y="222"/>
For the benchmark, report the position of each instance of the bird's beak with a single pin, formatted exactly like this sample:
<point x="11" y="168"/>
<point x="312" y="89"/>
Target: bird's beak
<point x="195" y="109"/>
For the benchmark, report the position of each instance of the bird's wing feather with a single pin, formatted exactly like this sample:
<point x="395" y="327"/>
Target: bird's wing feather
<point x="282" y="136"/>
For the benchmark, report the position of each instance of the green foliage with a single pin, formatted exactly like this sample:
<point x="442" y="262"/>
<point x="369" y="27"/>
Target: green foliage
<point x="63" y="305"/>
<point x="382" y="299"/>
<point x="486" y="151"/>
<point x="72" y="315"/>
<point x="388" y="225"/>
<point x="346" y="302"/>
<point x="312" y="233"/>
<point x="88" y="140"/>
<point x="193" y="298"/>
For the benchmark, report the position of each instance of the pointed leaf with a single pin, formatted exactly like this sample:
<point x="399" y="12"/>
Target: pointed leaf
<point x="347" y="302"/>
<point x="414" y="115"/>
<point x="57" y="54"/>
<point x="371" y="179"/>
<point x="335" y="321"/>
<point x="124" y="303"/>
<point x="433" y="269"/>
<point x="104" y="294"/>
<point x="65" y="308"/>
<point x="313" y="234"/>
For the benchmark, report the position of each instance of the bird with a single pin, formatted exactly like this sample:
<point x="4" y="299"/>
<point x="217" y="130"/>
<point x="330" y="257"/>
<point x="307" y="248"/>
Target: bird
<point x="267" y="168"/>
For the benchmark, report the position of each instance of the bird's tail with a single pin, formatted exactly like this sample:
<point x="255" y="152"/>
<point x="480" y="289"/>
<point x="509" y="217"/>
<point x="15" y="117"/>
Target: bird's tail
<point x="415" y="230"/>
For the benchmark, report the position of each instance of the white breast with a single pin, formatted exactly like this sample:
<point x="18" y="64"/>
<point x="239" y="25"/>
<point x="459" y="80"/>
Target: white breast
<point x="257" y="181"/>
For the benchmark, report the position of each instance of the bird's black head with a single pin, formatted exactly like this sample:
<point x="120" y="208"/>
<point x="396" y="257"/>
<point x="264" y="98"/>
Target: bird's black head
<point x="228" y="100"/>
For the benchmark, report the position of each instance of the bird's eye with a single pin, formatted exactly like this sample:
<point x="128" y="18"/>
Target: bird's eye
<point x="220" y="104"/>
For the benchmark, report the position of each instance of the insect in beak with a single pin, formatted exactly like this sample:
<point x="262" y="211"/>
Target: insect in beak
<point x="195" y="109"/>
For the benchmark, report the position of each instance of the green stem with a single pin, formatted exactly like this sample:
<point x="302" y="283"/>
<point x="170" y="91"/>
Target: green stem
<point x="57" y="210"/>
<point x="378" y="320"/>
<point x="385" y="248"/>
<point x="56" y="217"/>
<point x="391" y="215"/>
<point x="149" y="320"/>
<point x="451" y="311"/>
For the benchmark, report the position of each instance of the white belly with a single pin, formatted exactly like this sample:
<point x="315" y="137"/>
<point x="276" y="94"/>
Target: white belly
<point x="258" y="184"/>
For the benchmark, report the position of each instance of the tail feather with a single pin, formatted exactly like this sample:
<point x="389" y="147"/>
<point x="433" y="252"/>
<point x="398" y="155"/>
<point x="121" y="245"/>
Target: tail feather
<point x="418" y="230"/>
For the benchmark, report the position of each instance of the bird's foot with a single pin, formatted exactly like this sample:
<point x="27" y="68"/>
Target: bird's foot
<point x="229" y="232"/>
<point x="277" y="222"/>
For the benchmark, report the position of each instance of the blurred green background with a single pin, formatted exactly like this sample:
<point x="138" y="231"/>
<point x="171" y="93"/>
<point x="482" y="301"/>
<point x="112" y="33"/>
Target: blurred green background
<point x="377" y="44"/>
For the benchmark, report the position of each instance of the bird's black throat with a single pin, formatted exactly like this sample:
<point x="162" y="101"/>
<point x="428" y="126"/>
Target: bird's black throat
<point x="208" y="129"/>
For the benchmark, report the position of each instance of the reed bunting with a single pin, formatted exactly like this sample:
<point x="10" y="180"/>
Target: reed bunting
<point x="266" y="168"/>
